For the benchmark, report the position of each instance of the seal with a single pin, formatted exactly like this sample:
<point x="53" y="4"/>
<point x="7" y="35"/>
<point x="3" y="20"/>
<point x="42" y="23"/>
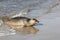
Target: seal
<point x="19" y="22"/>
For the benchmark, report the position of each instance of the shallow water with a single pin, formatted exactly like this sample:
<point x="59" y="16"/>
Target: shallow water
<point x="48" y="16"/>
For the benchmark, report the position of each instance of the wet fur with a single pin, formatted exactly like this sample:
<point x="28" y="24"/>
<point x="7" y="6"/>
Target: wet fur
<point x="18" y="21"/>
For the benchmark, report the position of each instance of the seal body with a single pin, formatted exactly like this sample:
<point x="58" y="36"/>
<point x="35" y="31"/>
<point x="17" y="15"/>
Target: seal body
<point x="19" y="22"/>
